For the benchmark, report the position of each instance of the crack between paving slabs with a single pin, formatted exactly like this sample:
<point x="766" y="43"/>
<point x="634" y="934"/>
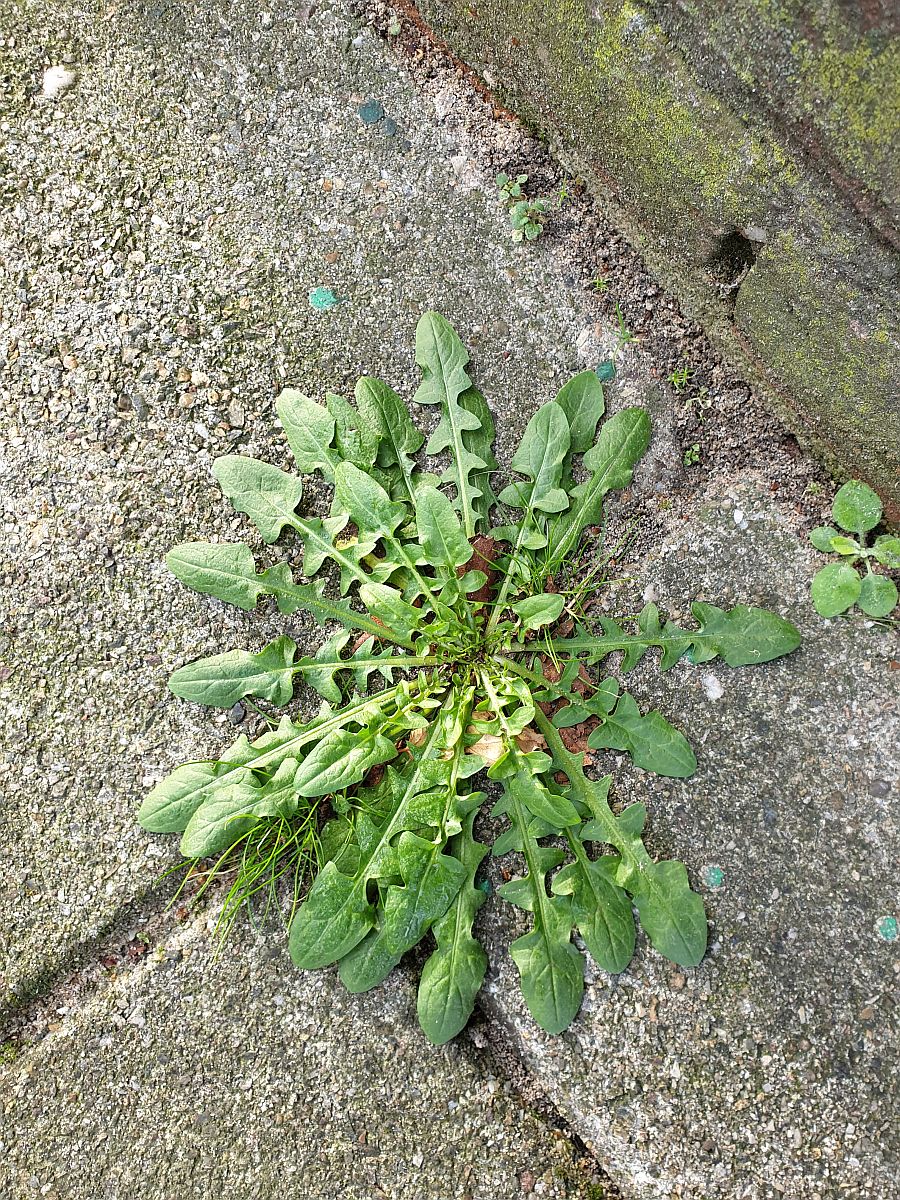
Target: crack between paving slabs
<point x="130" y="946"/>
<point x="487" y="1039"/>
<point x="125" y="939"/>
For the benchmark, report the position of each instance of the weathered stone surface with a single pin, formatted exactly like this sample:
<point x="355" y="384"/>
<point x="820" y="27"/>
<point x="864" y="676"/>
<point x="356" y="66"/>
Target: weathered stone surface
<point x="772" y="1069"/>
<point x="193" y="1076"/>
<point x="173" y="209"/>
<point x="825" y="76"/>
<point x="687" y="124"/>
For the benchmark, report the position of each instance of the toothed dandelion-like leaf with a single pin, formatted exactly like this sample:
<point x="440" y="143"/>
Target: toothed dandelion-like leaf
<point x="449" y="649"/>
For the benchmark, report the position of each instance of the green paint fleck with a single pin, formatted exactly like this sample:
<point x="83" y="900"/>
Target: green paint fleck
<point x="371" y="112"/>
<point x="886" y="929"/>
<point x="606" y="370"/>
<point x="713" y="877"/>
<point x="322" y="298"/>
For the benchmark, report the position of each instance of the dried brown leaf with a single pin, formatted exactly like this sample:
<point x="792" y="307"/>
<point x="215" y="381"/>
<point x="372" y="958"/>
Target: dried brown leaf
<point x="529" y="739"/>
<point x="488" y="747"/>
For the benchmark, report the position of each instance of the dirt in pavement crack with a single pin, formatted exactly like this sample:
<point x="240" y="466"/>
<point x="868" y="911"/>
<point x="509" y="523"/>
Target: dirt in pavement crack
<point x="489" y="1041"/>
<point x="136" y="931"/>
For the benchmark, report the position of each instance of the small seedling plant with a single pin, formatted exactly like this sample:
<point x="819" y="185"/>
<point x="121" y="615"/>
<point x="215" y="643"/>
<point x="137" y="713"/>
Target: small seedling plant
<point x="454" y="663"/>
<point x="700" y="403"/>
<point x="839" y="586"/>
<point x="511" y="189"/>
<point x="526" y="216"/>
<point x="625" y="334"/>
<point x="680" y="378"/>
<point x="527" y="219"/>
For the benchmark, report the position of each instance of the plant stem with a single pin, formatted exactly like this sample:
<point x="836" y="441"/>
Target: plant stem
<point x="599" y="808"/>
<point x="317" y="732"/>
<point x="355" y="664"/>
<point x="438" y="607"/>
<point x="338" y="556"/>
<point x="497" y="610"/>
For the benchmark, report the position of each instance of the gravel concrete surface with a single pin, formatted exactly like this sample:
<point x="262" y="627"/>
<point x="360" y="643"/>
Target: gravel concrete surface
<point x="173" y="192"/>
<point x="193" y="1076"/>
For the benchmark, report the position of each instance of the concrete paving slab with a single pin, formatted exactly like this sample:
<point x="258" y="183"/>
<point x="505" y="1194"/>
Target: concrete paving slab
<point x="201" y="176"/>
<point x="187" y="1077"/>
<point x="174" y="206"/>
<point x="772" y="1069"/>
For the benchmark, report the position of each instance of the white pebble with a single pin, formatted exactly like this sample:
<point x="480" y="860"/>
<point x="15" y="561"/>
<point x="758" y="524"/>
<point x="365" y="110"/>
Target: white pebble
<point x="56" y="82"/>
<point x="465" y="171"/>
<point x="443" y="102"/>
<point x="712" y="687"/>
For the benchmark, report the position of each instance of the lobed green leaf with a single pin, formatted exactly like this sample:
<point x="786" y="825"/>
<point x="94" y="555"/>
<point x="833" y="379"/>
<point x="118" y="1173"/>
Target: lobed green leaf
<point x="610" y="462"/>
<point x="228" y="572"/>
<point x="266" y="494"/>
<point x="739" y="636"/>
<point x="550" y="968"/>
<point x="223" y="679"/>
<point x="368" y="505"/>
<point x="479" y="442"/>
<point x="341" y="759"/>
<point x="338" y="912"/>
<point x="453" y="974"/>
<point x="383" y="409"/>
<point x="443" y="358"/>
<point x="671" y="914"/>
<point x="652" y="742"/>
<point x="310" y="430"/>
<point x="601" y="909"/>
<point x="540" y="458"/>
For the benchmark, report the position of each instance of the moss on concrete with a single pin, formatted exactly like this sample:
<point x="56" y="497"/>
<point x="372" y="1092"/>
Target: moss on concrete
<point x="684" y="162"/>
<point x="860" y="92"/>
<point x="672" y="147"/>
<point x="831" y="70"/>
<point x="828" y="343"/>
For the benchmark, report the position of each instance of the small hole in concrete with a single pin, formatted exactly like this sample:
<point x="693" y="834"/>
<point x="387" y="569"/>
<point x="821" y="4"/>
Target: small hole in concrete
<point x="730" y="261"/>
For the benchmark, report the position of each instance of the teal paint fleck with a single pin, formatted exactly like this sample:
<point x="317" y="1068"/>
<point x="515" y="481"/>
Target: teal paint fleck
<point x="713" y="877"/>
<point x="371" y="112"/>
<point x="389" y="127"/>
<point x="606" y="370"/>
<point x="322" y="298"/>
<point x="484" y="886"/>
<point x="886" y="929"/>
